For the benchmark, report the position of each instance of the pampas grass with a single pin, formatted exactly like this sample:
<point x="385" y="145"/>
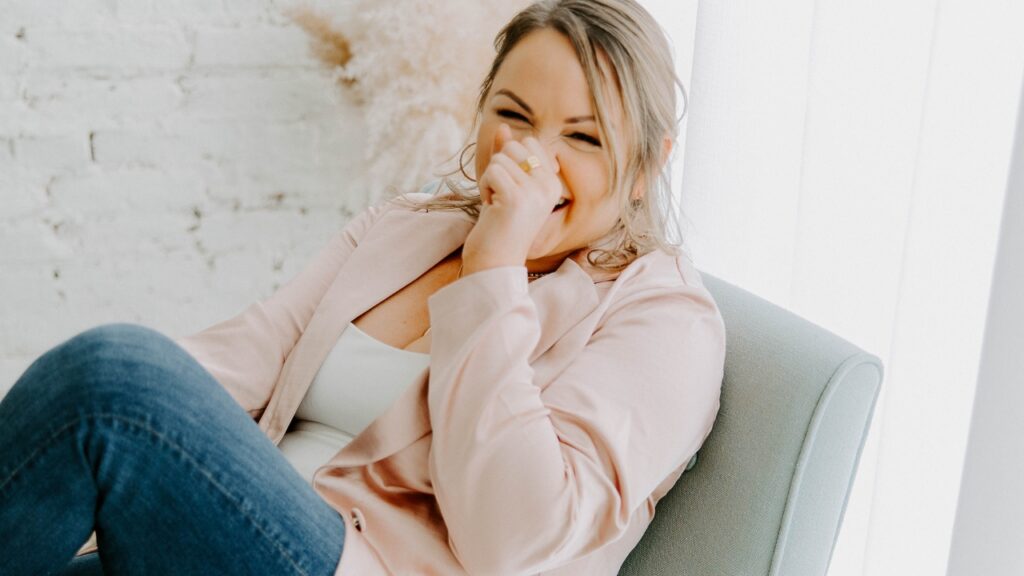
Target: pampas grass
<point x="414" y="66"/>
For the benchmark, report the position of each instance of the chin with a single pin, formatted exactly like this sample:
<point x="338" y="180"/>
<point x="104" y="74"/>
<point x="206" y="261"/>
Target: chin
<point x="548" y="243"/>
<point x="549" y="253"/>
<point x="538" y="252"/>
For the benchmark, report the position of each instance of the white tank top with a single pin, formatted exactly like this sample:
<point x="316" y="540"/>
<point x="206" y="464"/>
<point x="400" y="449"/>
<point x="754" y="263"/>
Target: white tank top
<point x="360" y="378"/>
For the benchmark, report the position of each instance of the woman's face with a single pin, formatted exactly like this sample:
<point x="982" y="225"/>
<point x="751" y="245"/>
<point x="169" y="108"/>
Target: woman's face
<point x="540" y="90"/>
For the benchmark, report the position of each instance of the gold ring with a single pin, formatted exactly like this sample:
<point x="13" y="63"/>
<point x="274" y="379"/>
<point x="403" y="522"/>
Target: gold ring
<point x="529" y="164"/>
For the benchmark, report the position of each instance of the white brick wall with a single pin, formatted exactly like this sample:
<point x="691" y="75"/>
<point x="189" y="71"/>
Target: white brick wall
<point x="163" y="162"/>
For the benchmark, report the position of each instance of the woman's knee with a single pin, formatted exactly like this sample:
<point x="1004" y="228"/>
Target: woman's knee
<point x="117" y="360"/>
<point x="119" y="335"/>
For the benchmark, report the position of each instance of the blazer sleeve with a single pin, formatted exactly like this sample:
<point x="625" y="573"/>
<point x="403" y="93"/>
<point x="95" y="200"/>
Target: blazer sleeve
<point x="530" y="479"/>
<point x="245" y="353"/>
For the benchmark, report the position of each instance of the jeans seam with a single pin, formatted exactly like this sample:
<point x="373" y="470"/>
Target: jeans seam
<point x="160" y="437"/>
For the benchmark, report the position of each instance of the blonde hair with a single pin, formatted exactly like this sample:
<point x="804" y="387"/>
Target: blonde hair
<point x="641" y="62"/>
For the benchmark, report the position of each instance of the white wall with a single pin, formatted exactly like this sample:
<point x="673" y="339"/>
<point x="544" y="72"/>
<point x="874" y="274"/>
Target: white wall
<point x="678" y="18"/>
<point x="847" y="160"/>
<point x="989" y="533"/>
<point x="162" y="162"/>
<point x="167" y="162"/>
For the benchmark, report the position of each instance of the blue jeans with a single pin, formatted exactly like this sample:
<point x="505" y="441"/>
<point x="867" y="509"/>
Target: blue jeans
<point x="119" y="430"/>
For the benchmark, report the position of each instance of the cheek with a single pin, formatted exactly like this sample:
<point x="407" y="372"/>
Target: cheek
<point x="587" y="179"/>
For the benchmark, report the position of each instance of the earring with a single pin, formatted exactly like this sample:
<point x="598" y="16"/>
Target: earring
<point x="462" y="166"/>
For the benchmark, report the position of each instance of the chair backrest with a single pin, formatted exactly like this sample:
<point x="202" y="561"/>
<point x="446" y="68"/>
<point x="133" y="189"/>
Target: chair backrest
<point x="769" y="489"/>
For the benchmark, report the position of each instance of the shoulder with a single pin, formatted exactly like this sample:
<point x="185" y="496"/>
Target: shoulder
<point x="416" y="200"/>
<point x="408" y="202"/>
<point x="661" y="271"/>
<point x="669" y="284"/>
<point x="412" y="201"/>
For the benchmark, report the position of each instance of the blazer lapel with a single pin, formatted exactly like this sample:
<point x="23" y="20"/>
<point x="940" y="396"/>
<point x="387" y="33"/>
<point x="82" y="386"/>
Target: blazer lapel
<point x="562" y="299"/>
<point x="385" y="250"/>
<point x="401" y="246"/>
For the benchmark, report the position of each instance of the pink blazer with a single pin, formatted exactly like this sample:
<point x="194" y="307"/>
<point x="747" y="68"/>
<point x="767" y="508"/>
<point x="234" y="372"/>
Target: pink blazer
<point x="552" y="418"/>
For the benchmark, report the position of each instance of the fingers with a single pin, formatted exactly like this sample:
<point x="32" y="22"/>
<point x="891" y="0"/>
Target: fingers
<point x="496" y="176"/>
<point x="485" y="189"/>
<point x="498" y="179"/>
<point x="505" y="174"/>
<point x="535" y="148"/>
<point x="512" y="168"/>
<point x="518" y="151"/>
<point x="514" y="151"/>
<point x="502" y="136"/>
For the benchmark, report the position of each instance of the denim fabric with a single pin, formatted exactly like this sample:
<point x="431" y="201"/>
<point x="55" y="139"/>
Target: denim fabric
<point x="84" y="565"/>
<point x="120" y="430"/>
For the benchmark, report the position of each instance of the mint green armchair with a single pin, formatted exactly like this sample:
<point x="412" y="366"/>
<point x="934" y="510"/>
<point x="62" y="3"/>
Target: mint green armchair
<point x="770" y="485"/>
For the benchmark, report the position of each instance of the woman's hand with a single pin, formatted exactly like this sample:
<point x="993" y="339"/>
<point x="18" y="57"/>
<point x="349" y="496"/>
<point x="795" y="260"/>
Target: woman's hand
<point x="515" y="204"/>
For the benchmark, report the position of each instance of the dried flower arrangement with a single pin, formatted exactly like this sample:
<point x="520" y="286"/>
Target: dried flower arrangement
<point x="414" y="66"/>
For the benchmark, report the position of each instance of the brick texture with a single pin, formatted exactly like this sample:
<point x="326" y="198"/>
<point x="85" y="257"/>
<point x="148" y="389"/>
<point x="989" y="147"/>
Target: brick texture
<point x="162" y="162"/>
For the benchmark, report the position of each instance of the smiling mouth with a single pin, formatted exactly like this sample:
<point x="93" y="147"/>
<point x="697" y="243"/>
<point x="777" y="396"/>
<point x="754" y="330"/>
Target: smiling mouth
<point x="561" y="204"/>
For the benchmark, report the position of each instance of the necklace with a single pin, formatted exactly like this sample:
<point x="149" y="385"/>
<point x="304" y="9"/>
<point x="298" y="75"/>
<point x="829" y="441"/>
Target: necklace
<point x="529" y="275"/>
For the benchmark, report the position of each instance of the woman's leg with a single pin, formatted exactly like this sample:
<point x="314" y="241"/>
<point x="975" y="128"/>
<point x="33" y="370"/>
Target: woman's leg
<point x="120" y="430"/>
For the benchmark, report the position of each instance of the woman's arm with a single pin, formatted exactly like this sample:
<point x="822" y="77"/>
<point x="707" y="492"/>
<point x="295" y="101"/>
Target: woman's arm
<point x="528" y="479"/>
<point x="246" y="353"/>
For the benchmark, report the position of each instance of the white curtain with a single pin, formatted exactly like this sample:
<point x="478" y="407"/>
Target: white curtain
<point x="848" y="161"/>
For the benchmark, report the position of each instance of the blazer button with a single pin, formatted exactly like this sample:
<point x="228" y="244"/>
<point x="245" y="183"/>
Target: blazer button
<point x="357" y="519"/>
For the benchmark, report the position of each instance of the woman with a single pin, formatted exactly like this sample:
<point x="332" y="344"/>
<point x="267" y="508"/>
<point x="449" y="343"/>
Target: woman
<point x="565" y="363"/>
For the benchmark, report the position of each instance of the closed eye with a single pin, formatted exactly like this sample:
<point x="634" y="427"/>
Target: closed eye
<point x="512" y="115"/>
<point x="586" y="138"/>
